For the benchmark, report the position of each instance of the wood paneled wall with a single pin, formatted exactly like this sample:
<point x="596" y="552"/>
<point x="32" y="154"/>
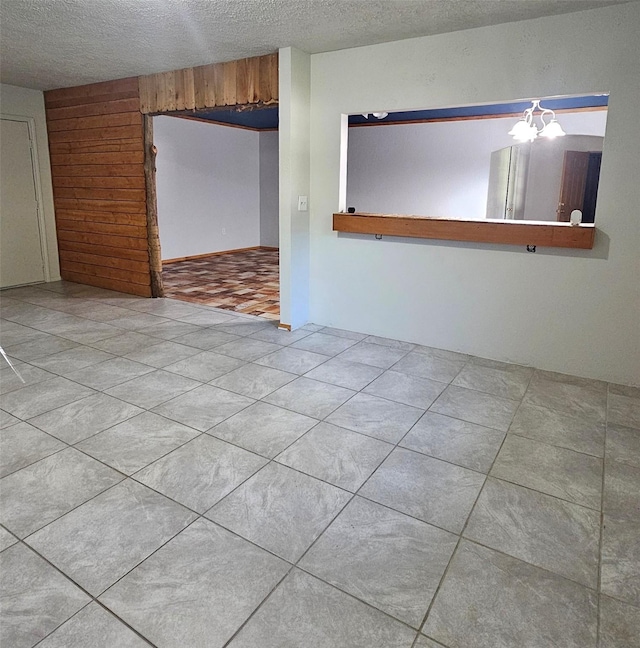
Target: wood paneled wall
<point x="247" y="81"/>
<point x="105" y="212"/>
<point x="97" y="165"/>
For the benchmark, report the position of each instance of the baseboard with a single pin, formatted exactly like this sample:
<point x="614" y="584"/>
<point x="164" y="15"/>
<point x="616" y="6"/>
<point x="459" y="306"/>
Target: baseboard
<point x="211" y="254"/>
<point x="284" y="327"/>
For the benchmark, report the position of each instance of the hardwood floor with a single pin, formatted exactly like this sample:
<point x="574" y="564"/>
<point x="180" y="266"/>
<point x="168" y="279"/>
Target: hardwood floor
<point x="245" y="282"/>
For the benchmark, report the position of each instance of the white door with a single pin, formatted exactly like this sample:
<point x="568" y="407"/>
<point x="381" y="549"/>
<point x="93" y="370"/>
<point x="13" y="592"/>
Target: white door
<point x="20" y="244"/>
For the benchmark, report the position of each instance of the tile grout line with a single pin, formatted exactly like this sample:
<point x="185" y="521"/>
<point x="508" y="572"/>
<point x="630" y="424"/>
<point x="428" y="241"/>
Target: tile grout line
<point x="84" y="607"/>
<point x="601" y="535"/>
<point x="95" y="598"/>
<point x="464" y="527"/>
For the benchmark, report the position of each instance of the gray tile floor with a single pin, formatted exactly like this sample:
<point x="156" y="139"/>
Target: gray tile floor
<point x="177" y="476"/>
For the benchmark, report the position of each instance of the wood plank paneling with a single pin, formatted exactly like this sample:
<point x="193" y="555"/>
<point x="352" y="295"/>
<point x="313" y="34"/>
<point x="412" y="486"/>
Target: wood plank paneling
<point x="101" y="217"/>
<point x="97" y="166"/>
<point x="130" y="182"/>
<point x="94" y="205"/>
<point x="109" y="157"/>
<point x="110" y="253"/>
<point x="83" y="101"/>
<point x="110" y="146"/>
<point x="248" y="81"/>
<point x="268" y="80"/>
<point x="185" y="89"/>
<point x="113" y="218"/>
<point x="137" y="195"/>
<point x="204" y="86"/>
<point x="86" y="110"/>
<point x="97" y="134"/>
<point x="229" y="83"/>
<point x="130" y="84"/>
<point x="108" y="273"/>
<point x="126" y="243"/>
<point x="116" y="229"/>
<point x="97" y="145"/>
<point x="109" y="284"/>
<point x="95" y="259"/>
<point x="96" y="121"/>
<point x="97" y="170"/>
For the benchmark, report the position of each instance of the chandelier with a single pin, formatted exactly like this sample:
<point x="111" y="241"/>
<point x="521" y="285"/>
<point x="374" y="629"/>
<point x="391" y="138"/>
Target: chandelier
<point x="526" y="129"/>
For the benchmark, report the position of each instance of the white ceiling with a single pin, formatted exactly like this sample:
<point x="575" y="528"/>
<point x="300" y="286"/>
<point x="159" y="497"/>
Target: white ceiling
<point x="57" y="43"/>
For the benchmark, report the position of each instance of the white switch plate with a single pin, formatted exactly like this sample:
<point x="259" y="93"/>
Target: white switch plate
<point x="302" y="203"/>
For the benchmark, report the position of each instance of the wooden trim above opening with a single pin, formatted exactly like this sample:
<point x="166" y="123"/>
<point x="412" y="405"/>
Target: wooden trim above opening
<point x="246" y="81"/>
<point x="552" y="234"/>
<point x="194" y="117"/>
<point x="437" y="120"/>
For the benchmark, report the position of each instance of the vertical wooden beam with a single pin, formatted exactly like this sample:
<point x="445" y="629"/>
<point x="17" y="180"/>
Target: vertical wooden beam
<point x="230" y="70"/>
<point x="146" y="90"/>
<point x="170" y="91"/>
<point x="155" y="256"/>
<point x="268" y="83"/>
<point x="218" y="84"/>
<point x="199" y="87"/>
<point x="204" y="86"/>
<point x="242" y="81"/>
<point x="253" y="79"/>
<point x="185" y="90"/>
<point x="247" y="81"/>
<point x="210" y="85"/>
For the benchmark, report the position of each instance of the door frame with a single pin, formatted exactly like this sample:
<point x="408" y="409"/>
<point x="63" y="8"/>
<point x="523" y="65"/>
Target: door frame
<point x="151" y="192"/>
<point x="37" y="182"/>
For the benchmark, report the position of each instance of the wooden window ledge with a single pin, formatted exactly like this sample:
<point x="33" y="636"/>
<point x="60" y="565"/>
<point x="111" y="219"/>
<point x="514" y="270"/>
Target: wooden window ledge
<point x="507" y="232"/>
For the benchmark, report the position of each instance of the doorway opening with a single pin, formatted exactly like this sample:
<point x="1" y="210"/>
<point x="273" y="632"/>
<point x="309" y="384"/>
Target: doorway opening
<point x="579" y="184"/>
<point x="217" y="207"/>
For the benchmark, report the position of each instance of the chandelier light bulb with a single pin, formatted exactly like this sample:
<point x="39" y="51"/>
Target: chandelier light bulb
<point x="520" y="130"/>
<point x="529" y="135"/>
<point x="552" y="130"/>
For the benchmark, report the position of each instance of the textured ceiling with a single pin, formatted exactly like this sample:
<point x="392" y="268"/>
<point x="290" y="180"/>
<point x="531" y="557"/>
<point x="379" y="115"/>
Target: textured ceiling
<point x="57" y="43"/>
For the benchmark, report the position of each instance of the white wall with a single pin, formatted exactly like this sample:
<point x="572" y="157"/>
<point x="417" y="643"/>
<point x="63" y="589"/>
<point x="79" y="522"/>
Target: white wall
<point x="437" y="168"/>
<point x="208" y="185"/>
<point x="23" y="102"/>
<point x="294" y="144"/>
<point x="566" y="310"/>
<point x="269" y="229"/>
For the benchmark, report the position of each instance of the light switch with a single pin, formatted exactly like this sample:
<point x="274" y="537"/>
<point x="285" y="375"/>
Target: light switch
<point x="302" y="203"/>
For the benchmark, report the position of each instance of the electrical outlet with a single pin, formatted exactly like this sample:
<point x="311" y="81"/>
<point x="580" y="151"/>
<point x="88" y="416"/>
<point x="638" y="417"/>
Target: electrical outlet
<point x="302" y="203"/>
<point x="224" y="231"/>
